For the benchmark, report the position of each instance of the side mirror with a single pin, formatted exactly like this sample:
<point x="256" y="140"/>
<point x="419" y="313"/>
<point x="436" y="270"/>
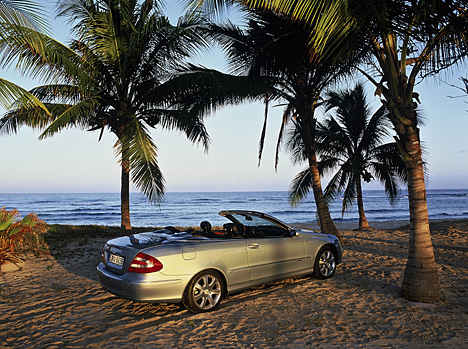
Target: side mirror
<point x="292" y="232"/>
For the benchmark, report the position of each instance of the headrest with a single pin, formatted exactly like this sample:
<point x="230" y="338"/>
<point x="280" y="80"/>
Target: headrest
<point x="205" y="226"/>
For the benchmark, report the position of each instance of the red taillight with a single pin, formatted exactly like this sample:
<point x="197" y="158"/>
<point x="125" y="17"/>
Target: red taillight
<point x="143" y="263"/>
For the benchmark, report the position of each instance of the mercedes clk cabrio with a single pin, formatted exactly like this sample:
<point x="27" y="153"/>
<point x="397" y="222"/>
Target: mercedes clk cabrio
<point x="199" y="267"/>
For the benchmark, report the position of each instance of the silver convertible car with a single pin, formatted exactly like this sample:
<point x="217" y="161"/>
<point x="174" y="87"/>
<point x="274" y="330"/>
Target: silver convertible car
<point x="200" y="267"/>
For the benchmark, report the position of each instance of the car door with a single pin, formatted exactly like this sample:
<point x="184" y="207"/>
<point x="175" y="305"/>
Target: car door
<point x="273" y="256"/>
<point x="227" y="255"/>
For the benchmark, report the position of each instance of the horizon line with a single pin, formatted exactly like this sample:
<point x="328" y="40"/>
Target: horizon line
<point x="192" y="191"/>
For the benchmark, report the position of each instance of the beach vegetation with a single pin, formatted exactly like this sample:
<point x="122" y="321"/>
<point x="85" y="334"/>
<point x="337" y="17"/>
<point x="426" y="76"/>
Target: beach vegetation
<point x="109" y="79"/>
<point x="19" y="235"/>
<point x="351" y="146"/>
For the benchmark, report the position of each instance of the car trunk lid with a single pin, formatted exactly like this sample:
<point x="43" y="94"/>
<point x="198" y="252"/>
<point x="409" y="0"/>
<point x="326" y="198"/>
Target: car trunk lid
<point x="120" y="252"/>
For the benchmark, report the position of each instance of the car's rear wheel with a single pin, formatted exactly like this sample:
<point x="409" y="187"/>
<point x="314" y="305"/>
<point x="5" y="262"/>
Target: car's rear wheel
<point x="325" y="263"/>
<point x="204" y="292"/>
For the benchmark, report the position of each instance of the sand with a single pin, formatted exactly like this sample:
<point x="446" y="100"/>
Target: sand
<point x="57" y="302"/>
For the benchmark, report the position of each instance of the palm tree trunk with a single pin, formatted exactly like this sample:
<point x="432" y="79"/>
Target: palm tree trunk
<point x="326" y="223"/>
<point x="125" y="197"/>
<point x="421" y="280"/>
<point x="363" y="223"/>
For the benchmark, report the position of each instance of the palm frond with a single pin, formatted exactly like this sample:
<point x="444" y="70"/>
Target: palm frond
<point x="184" y="88"/>
<point x="212" y="7"/>
<point x="27" y="14"/>
<point x="50" y="61"/>
<point x="261" y="143"/>
<point x="76" y="115"/>
<point x="350" y="181"/>
<point x="58" y="93"/>
<point x="335" y="186"/>
<point x="136" y="145"/>
<point x="281" y="134"/>
<point x="294" y="144"/>
<point x="327" y="164"/>
<point x="185" y="121"/>
<point x="12" y="94"/>
<point x="300" y="186"/>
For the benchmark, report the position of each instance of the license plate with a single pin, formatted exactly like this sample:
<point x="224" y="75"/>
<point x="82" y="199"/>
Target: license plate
<point x="118" y="260"/>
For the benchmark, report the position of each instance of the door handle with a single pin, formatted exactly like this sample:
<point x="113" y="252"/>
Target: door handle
<point x="254" y="246"/>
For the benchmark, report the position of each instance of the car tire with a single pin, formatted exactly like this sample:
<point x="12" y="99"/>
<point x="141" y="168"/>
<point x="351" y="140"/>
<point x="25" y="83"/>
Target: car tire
<point x="325" y="263"/>
<point x="204" y="292"/>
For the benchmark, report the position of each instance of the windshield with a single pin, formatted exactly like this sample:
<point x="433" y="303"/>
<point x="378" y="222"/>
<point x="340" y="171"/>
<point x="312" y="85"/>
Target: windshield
<point x="253" y="221"/>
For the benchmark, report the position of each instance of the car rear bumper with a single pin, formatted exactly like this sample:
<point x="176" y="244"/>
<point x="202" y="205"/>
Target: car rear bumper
<point x="137" y="287"/>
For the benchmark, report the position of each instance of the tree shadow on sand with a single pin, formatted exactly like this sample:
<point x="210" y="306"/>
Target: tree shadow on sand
<point x="78" y="248"/>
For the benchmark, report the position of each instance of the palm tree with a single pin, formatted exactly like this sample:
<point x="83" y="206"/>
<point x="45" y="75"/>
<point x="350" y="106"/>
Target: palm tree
<point x="273" y="48"/>
<point x="426" y="36"/>
<point x="353" y="143"/>
<point x="123" y="54"/>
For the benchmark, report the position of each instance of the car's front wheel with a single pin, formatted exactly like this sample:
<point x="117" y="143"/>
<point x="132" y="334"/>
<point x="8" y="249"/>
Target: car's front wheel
<point x="204" y="292"/>
<point x="325" y="263"/>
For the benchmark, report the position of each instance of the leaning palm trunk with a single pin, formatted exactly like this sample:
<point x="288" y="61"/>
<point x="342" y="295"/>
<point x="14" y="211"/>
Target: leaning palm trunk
<point x="308" y="125"/>
<point x="421" y="280"/>
<point x="325" y="220"/>
<point x="363" y="223"/>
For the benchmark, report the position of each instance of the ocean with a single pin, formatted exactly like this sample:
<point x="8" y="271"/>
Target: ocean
<point x="189" y="209"/>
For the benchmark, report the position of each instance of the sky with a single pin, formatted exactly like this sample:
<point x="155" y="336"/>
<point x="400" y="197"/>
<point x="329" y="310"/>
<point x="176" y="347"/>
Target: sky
<point x="74" y="160"/>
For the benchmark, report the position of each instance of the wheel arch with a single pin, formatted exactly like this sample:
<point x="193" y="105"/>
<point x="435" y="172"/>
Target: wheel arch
<point x="338" y="253"/>
<point x="332" y="246"/>
<point x="219" y="271"/>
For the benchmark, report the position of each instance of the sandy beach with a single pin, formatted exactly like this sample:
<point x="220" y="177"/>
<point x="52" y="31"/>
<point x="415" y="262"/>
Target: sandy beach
<point x="55" y="301"/>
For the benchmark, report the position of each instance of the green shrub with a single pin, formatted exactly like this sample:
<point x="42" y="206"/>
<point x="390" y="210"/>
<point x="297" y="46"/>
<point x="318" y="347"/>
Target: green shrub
<point x="19" y="235"/>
